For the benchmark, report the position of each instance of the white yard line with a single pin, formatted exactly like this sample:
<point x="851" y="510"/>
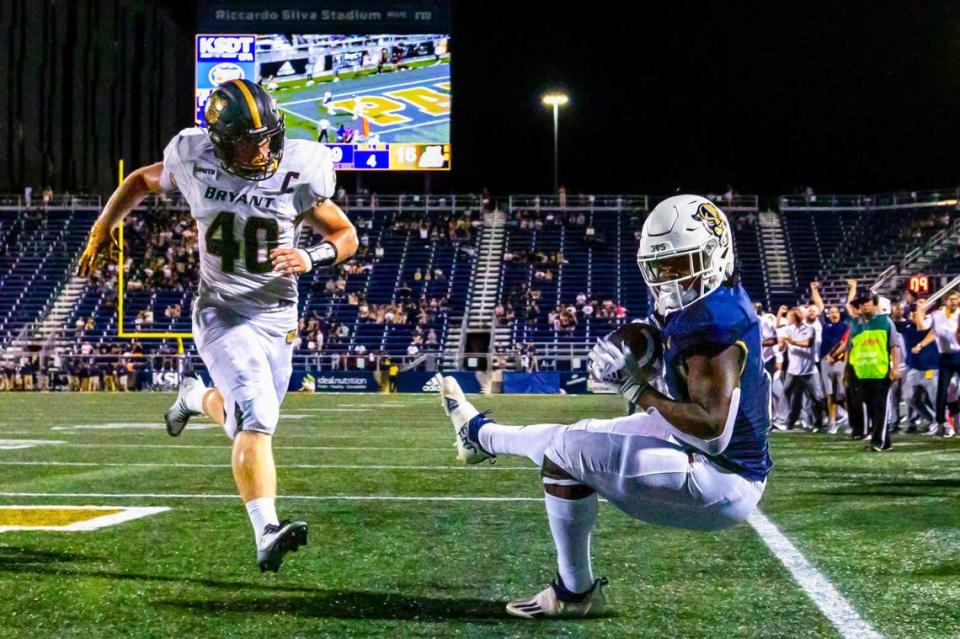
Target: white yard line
<point x="226" y="446"/>
<point x="19" y="444"/>
<point x="371" y="91"/>
<point x="284" y="497"/>
<point x="439" y="120"/>
<point x="282" y="466"/>
<point x="830" y="602"/>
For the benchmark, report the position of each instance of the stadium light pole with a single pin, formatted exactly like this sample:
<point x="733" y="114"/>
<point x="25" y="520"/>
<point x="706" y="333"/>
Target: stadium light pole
<point x="556" y="100"/>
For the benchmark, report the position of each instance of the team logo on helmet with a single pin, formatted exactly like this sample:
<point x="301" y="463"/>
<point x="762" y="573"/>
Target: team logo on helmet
<point x="215" y="106"/>
<point x="712" y="219"/>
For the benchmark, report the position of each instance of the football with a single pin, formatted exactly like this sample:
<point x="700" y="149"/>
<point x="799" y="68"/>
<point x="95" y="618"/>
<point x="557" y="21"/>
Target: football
<point x="645" y="344"/>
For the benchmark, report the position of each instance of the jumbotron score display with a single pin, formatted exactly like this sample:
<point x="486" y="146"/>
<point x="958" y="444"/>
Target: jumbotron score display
<point x="381" y="102"/>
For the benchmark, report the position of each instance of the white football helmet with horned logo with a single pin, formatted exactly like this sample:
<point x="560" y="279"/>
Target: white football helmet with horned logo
<point x="686" y="251"/>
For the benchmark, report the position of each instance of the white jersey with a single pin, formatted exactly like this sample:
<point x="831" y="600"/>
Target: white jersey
<point x="240" y="221"/>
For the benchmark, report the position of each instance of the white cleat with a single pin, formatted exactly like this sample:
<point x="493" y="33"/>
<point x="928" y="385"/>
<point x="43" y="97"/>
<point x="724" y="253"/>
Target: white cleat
<point x="948" y="431"/>
<point x="547" y="604"/>
<point x="934" y="430"/>
<point x="177" y="417"/>
<point x="461" y="413"/>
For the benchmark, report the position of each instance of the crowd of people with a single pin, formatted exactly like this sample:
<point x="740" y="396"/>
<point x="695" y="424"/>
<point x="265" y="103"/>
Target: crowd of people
<point x="160" y="254"/>
<point x="878" y="366"/>
<point x="92" y="368"/>
<point x="563" y="317"/>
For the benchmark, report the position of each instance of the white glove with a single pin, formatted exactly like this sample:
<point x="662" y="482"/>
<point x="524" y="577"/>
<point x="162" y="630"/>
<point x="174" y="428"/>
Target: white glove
<point x="606" y="360"/>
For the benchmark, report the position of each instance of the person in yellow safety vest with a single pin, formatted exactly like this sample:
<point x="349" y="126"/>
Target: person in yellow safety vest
<point x="872" y="362"/>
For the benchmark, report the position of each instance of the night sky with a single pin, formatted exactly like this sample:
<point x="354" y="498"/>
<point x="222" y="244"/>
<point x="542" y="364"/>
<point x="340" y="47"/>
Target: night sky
<point x="766" y="96"/>
<point x="843" y="96"/>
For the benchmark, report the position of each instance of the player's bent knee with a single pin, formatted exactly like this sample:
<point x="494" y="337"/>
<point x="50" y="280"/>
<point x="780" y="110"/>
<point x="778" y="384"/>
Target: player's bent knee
<point x="259" y="415"/>
<point x="559" y="483"/>
<point x="552" y="470"/>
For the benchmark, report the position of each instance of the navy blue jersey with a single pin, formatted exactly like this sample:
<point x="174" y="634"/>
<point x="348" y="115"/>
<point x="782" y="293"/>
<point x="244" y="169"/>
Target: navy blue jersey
<point x="929" y="357"/>
<point x="832" y="334"/>
<point x="726" y="318"/>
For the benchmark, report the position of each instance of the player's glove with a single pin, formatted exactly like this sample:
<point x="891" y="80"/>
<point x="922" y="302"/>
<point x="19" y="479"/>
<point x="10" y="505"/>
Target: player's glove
<point x="102" y="245"/>
<point x="606" y="361"/>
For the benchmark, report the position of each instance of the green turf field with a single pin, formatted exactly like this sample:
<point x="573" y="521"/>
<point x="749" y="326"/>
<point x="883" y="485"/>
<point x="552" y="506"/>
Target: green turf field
<point x="883" y="529"/>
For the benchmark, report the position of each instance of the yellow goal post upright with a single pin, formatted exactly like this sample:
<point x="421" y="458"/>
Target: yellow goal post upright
<point x="121" y="332"/>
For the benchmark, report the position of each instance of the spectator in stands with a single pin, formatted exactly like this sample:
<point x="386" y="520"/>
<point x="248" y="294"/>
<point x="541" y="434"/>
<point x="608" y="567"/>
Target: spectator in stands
<point x="109" y="376"/>
<point x="7" y="372"/>
<point x="801" y="368"/>
<point x="832" y="351"/>
<point x="587" y="310"/>
<point x="920" y="383"/>
<point x="27" y="370"/>
<point x="590" y="235"/>
<point x="122" y="372"/>
<point x="943" y="324"/>
<point x="897" y="386"/>
<point x="528" y="358"/>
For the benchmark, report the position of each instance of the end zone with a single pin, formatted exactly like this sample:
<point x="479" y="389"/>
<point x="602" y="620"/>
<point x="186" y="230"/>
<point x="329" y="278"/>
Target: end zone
<point x="70" y="518"/>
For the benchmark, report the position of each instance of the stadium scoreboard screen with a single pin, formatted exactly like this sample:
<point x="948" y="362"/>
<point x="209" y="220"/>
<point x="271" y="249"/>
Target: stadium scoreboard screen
<point x="380" y="101"/>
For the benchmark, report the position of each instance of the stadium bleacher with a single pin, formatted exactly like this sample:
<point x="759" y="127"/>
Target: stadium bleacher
<point x="414" y="272"/>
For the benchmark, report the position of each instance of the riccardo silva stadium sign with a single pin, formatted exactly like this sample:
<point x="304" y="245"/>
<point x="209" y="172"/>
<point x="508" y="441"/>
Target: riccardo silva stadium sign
<point x="413" y="16"/>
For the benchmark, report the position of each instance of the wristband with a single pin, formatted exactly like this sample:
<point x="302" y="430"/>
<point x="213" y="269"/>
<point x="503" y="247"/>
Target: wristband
<point x="323" y="254"/>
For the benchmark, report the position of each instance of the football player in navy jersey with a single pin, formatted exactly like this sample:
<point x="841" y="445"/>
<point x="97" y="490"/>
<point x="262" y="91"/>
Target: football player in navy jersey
<point x="695" y="458"/>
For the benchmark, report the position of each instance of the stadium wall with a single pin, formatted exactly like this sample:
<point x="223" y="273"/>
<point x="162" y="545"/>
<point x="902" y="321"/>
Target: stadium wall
<point x="80" y="80"/>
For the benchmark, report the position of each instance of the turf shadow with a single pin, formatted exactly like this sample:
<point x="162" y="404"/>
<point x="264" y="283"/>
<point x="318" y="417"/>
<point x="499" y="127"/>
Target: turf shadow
<point x="910" y="488"/>
<point x="18" y="558"/>
<point x="52" y="563"/>
<point x="349" y="604"/>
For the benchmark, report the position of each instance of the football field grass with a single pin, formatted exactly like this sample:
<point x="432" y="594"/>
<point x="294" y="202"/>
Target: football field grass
<point x="395" y="549"/>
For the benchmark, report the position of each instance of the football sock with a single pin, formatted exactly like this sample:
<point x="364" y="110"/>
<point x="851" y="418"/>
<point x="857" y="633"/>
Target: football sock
<point x="194" y="398"/>
<point x="526" y="441"/>
<point x="571" y="521"/>
<point x="262" y="511"/>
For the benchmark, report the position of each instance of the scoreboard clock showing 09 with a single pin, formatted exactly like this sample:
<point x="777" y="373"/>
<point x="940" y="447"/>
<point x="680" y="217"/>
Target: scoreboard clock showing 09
<point x="919" y="285"/>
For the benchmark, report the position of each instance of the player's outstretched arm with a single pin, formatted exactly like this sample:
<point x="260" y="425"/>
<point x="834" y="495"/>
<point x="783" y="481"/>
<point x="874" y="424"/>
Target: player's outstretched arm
<point x="706" y="420"/>
<point x="815" y="296"/>
<point x="129" y="194"/>
<point x="339" y="241"/>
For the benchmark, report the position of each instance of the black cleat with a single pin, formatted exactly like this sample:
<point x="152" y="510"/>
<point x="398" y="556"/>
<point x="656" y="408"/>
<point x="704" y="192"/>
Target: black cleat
<point x="277" y="540"/>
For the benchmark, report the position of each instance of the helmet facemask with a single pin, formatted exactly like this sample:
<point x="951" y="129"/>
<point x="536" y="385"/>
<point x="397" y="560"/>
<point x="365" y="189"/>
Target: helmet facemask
<point x="680" y="277"/>
<point x="252" y="155"/>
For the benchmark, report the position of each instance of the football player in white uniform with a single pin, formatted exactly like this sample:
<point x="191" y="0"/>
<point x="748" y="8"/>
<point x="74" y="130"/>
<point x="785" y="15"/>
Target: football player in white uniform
<point x="249" y="190"/>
